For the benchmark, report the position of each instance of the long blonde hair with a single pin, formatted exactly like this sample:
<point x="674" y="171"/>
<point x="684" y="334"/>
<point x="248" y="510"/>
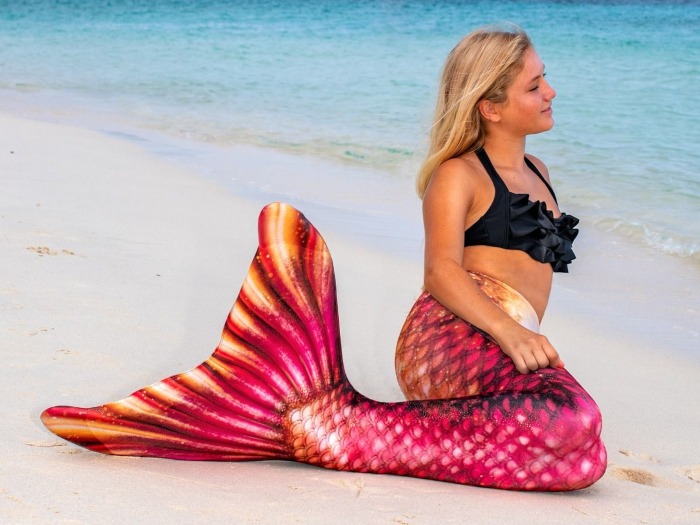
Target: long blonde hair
<point x="480" y="67"/>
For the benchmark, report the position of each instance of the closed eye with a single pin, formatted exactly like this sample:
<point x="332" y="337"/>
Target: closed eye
<point x="538" y="84"/>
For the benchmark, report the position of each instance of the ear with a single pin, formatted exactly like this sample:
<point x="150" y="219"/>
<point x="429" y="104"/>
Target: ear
<point x="489" y="110"/>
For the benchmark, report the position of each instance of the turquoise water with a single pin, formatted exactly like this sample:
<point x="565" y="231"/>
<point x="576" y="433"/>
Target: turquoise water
<point x="355" y="81"/>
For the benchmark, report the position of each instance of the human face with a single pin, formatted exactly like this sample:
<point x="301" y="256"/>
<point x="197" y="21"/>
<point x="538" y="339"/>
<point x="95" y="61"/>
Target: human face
<point x="528" y="106"/>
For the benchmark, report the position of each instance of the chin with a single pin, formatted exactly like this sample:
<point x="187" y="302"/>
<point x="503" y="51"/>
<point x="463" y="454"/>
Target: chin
<point x="546" y="126"/>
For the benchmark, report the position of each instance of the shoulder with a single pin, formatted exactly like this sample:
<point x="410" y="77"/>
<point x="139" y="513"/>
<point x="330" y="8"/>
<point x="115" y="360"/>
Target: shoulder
<point x="458" y="187"/>
<point x="460" y="175"/>
<point x="541" y="167"/>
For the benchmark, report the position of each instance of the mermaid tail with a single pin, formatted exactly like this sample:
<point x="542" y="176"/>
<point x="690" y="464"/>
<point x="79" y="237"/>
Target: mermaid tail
<point x="439" y="355"/>
<point x="275" y="388"/>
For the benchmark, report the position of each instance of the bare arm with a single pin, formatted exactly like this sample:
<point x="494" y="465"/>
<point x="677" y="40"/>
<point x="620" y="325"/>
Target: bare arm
<point x="447" y="205"/>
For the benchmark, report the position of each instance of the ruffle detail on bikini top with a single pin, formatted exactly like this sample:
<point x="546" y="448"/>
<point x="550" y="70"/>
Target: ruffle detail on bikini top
<point x="534" y="230"/>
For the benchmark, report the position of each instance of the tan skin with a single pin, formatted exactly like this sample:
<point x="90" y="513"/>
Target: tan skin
<point x="460" y="192"/>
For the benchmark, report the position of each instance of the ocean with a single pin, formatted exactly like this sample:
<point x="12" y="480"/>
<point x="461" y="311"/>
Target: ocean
<point x="354" y="82"/>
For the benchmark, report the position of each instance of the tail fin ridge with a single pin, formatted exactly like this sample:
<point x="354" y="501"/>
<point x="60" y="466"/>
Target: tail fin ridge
<point x="280" y="345"/>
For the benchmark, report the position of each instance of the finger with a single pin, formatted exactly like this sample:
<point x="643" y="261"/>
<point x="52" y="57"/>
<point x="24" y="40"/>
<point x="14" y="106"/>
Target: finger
<point x="542" y="358"/>
<point x="519" y="364"/>
<point x="531" y="362"/>
<point x="552" y="355"/>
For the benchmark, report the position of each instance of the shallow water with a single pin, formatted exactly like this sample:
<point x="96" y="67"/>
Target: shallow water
<point x="355" y="81"/>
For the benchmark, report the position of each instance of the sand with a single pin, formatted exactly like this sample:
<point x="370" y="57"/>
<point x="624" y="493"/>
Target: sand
<point x="119" y="267"/>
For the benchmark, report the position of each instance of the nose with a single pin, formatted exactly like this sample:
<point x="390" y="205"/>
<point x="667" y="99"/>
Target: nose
<point x="549" y="91"/>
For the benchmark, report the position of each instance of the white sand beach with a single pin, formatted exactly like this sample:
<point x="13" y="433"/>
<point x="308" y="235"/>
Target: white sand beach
<point x="118" y="268"/>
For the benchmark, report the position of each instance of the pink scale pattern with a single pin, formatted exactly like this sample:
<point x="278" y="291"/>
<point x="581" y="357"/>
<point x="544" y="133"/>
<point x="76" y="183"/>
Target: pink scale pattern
<point x="275" y="388"/>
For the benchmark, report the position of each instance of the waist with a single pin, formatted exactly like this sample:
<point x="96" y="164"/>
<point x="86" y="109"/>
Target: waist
<point x="508" y="299"/>
<point x="531" y="279"/>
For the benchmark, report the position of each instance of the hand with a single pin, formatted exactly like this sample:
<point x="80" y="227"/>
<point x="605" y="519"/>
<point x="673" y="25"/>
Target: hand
<point x="529" y="351"/>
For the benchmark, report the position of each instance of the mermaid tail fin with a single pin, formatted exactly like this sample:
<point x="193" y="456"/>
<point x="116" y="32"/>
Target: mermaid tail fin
<point x="280" y="346"/>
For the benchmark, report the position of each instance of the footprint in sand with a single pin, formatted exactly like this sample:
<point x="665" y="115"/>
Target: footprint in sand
<point x="635" y="475"/>
<point x="643" y="477"/>
<point x="692" y="472"/>
<point x="644" y="457"/>
<point x="45" y="250"/>
<point x="355" y="486"/>
<point x="39" y="331"/>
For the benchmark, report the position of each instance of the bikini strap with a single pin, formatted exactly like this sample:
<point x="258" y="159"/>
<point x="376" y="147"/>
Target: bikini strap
<point x="537" y="172"/>
<point x="491" y="170"/>
<point x="498" y="181"/>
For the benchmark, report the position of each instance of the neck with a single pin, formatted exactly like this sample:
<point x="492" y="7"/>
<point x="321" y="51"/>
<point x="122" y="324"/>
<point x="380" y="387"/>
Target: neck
<point x="508" y="153"/>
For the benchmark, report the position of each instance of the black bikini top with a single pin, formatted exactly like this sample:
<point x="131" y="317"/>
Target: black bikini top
<point x="515" y="222"/>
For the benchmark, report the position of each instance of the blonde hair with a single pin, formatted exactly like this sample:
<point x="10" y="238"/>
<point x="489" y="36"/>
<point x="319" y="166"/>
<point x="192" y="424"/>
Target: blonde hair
<point x="480" y="67"/>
